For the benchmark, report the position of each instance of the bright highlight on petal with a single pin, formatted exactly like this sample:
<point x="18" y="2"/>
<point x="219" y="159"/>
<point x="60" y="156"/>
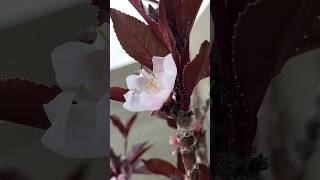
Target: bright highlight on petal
<point x="148" y="91"/>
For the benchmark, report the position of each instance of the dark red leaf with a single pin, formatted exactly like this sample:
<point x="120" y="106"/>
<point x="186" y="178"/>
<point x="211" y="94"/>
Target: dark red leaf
<point x="116" y="93"/>
<point x="167" y="34"/>
<point x="225" y="14"/>
<point x="173" y="13"/>
<point x="190" y="9"/>
<point x="103" y="10"/>
<point x="161" y="167"/>
<point x="123" y="127"/>
<point x="311" y="39"/>
<point x="119" y="124"/>
<point x="138" y="5"/>
<point x="115" y="163"/>
<point x="102" y="4"/>
<point x="130" y="122"/>
<point x="171" y="123"/>
<point x="137" y="39"/>
<point x="197" y="69"/>
<point x="178" y="17"/>
<point x="137" y="151"/>
<point x="151" y="17"/>
<point x="21" y="102"/>
<point x="304" y="32"/>
<point x="163" y="115"/>
<point x="13" y="174"/>
<point x="176" y="21"/>
<point x="234" y="8"/>
<point x="258" y="44"/>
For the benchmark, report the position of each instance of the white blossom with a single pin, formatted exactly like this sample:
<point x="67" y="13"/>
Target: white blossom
<point x="148" y="91"/>
<point x="81" y="129"/>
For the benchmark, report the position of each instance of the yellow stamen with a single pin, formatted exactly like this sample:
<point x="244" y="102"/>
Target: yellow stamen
<point x="151" y="84"/>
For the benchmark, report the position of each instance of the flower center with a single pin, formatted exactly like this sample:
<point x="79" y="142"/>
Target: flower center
<point x="151" y="84"/>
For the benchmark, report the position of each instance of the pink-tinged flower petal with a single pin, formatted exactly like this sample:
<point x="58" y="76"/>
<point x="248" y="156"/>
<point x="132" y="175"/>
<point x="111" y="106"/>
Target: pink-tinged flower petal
<point x="165" y="70"/>
<point x="168" y="82"/>
<point x="133" y="102"/>
<point x="151" y="89"/>
<point x="78" y="130"/>
<point x="135" y="82"/>
<point x="164" y="65"/>
<point x="81" y="68"/>
<point x="153" y="102"/>
<point x="57" y="111"/>
<point x="158" y="68"/>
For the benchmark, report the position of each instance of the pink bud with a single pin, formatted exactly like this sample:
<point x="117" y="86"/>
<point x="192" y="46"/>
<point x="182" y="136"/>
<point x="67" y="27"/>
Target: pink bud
<point x="174" y="141"/>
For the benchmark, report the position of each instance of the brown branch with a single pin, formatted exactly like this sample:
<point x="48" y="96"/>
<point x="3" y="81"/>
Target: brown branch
<point x="188" y="143"/>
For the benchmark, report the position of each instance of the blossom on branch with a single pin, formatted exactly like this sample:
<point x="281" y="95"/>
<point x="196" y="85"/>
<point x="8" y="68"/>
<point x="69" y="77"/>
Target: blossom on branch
<point x="148" y="91"/>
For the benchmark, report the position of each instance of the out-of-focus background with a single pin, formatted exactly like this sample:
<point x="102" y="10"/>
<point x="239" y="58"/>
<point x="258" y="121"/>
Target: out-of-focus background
<point x="29" y="31"/>
<point x="148" y="128"/>
<point x="289" y="121"/>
